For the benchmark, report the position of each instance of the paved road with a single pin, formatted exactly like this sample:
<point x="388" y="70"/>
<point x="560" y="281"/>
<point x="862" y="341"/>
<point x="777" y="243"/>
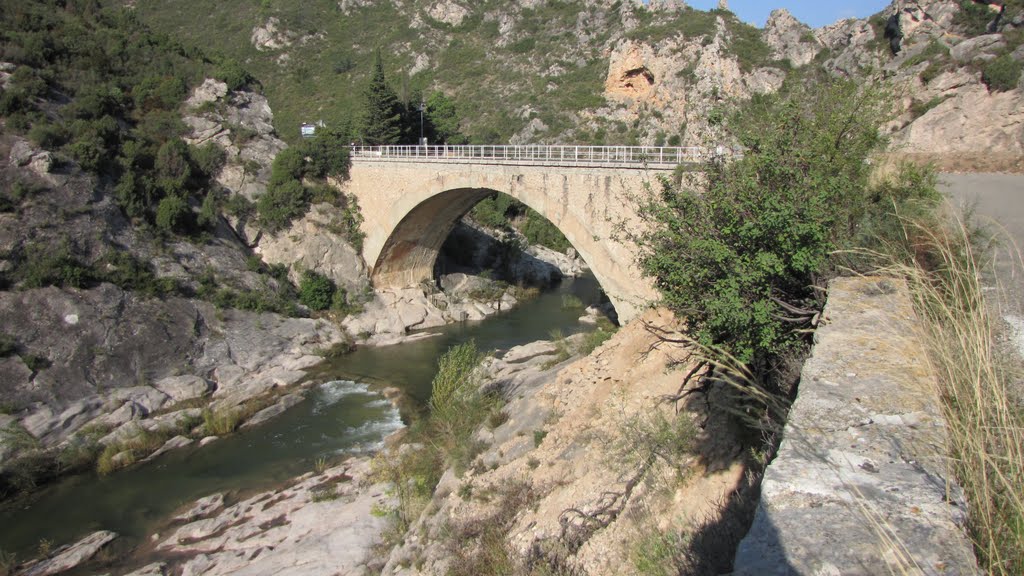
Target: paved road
<point x="999" y="199"/>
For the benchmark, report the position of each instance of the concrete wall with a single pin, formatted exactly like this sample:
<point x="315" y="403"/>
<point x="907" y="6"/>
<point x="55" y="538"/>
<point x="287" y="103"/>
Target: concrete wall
<point x="409" y="209"/>
<point x="861" y="478"/>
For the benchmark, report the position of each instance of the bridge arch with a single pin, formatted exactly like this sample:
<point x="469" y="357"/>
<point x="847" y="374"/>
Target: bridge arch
<point x="409" y="208"/>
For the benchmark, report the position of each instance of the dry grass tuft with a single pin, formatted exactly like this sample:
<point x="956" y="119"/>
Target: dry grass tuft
<point x="985" y="424"/>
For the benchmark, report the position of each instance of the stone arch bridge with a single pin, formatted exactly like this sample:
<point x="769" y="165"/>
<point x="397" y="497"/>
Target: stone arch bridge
<point x="411" y="197"/>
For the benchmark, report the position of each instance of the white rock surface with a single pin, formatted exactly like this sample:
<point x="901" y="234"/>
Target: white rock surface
<point x="68" y="557"/>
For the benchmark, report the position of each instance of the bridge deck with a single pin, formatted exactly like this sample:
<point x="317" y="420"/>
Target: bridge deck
<point x="628" y="157"/>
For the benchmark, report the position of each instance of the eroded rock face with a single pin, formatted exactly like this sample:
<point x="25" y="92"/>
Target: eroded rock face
<point x="271" y="36"/>
<point x="790" y="39"/>
<point x="313" y="243"/>
<point x="557" y="452"/>
<point x="970" y="120"/>
<point x="99" y="366"/>
<point x="448" y="11"/>
<point x="629" y="79"/>
<point x="241" y="123"/>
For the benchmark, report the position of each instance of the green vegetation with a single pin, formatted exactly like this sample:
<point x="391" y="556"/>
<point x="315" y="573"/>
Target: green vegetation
<point x="502" y="212"/>
<point x="1002" y="73"/>
<point x="918" y="108"/>
<point x="935" y="50"/>
<point x="124" y="84"/>
<point x="443" y="438"/>
<point x="659" y="553"/>
<point x="316" y="291"/>
<point x="382" y="116"/>
<point x="973" y="18"/>
<point x="298" y="178"/>
<point x="758" y="241"/>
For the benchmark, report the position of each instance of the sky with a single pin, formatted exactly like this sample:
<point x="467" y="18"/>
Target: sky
<point x="816" y="13"/>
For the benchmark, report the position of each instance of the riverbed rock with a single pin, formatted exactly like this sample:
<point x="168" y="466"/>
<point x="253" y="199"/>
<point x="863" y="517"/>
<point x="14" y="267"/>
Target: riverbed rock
<point x="154" y="569"/>
<point x="68" y="557"/>
<point x="202" y="508"/>
<point x="172" y="444"/>
<point x="285" y="532"/>
<point x="528" y="351"/>
<point x="286" y="402"/>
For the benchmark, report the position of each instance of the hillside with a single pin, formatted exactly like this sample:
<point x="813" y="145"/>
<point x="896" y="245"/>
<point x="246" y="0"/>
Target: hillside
<point x="602" y="72"/>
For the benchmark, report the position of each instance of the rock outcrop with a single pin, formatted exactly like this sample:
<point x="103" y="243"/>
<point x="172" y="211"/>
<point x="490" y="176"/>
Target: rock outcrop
<point x="564" y="452"/>
<point x="241" y="123"/>
<point x="790" y="39"/>
<point x="314" y="242"/>
<point x="271" y="36"/>
<point x="950" y="115"/>
<point x="71" y="556"/>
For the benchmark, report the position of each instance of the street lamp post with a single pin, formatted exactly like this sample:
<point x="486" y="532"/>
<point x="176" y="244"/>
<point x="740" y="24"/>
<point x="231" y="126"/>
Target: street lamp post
<point x="423" y="105"/>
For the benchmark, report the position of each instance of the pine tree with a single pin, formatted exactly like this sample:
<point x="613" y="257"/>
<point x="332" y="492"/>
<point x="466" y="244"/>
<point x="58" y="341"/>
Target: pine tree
<point x="382" y="115"/>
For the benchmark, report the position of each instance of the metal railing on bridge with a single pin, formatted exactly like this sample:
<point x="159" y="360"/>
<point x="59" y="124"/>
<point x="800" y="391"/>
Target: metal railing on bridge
<point x="639" y="157"/>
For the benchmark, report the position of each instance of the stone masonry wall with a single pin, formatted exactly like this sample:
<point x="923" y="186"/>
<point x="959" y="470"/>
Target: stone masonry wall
<point x="860" y="479"/>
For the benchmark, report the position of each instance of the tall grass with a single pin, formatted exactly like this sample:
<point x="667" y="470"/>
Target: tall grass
<point x="985" y="421"/>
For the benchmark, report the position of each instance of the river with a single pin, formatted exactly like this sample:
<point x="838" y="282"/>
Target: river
<point x="345" y="415"/>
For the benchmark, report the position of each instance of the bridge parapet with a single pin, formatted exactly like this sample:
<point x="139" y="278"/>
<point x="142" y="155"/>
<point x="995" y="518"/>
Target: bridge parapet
<point x="628" y="157"/>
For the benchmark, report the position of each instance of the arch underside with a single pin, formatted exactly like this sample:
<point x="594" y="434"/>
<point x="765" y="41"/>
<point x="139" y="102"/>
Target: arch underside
<point x="409" y="254"/>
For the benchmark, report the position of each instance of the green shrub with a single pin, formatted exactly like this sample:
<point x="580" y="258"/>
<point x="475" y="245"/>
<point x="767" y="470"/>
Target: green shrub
<point x="731" y="259"/>
<point x="493" y="212"/>
<point x="592" y="340"/>
<point x="1002" y="74"/>
<point x="973" y="17"/>
<point x="457" y="405"/>
<point x="539" y="230"/>
<point x="129" y="273"/>
<point x="221" y="422"/>
<point x="327" y="154"/>
<point x="50" y="266"/>
<point x="233" y="74"/>
<point x="316" y="291"/>
<point x="47" y="135"/>
<point x="173" y="215"/>
<point x="281" y="204"/>
<point x="289" y="165"/>
<point x="208" y="159"/>
<point x="931" y="72"/>
<point x="35" y="363"/>
<point x="173" y="169"/>
<point x="935" y="51"/>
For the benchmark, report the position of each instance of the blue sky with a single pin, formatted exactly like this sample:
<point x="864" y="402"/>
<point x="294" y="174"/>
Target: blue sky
<point x="816" y="13"/>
